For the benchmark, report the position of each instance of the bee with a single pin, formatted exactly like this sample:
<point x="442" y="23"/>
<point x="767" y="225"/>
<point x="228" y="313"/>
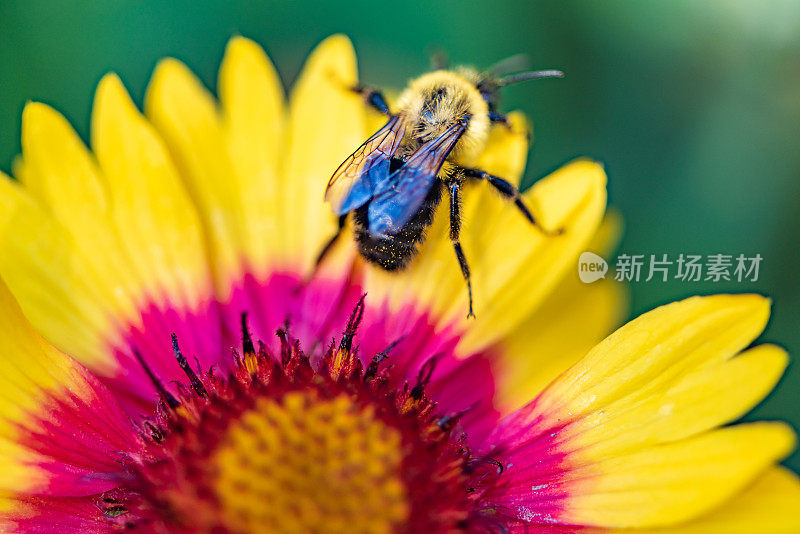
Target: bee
<point x="393" y="183"/>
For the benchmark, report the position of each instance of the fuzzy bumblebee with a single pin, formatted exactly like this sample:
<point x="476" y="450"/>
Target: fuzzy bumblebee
<point x="393" y="183"/>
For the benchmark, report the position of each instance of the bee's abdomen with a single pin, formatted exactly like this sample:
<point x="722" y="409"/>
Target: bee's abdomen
<point x="390" y="254"/>
<point x="395" y="252"/>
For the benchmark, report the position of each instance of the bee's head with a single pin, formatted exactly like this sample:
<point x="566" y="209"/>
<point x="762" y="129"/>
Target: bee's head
<point x="437" y="100"/>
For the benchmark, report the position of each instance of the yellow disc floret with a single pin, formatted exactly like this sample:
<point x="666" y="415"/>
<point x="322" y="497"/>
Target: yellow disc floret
<point x="304" y="464"/>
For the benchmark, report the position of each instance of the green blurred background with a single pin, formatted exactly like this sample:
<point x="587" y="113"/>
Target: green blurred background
<point x="694" y="107"/>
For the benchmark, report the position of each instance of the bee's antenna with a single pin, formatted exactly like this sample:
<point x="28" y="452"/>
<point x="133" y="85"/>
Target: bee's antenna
<point x="439" y="59"/>
<point x="531" y="75"/>
<point x="510" y="64"/>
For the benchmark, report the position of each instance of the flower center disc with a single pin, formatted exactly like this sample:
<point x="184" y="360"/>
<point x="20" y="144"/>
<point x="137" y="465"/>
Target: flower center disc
<point x="284" y="446"/>
<point x="304" y="464"/>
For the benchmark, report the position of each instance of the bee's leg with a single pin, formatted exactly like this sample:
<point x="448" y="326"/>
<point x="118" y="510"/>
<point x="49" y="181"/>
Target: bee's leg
<point x="455" y="228"/>
<point x="509" y="191"/>
<point x="499" y="118"/>
<point x="374" y="98"/>
<point x="327" y="247"/>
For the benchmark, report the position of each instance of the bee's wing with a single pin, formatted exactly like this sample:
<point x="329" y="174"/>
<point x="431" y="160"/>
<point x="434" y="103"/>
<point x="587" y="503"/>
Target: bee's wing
<point x="394" y="206"/>
<point x="357" y="178"/>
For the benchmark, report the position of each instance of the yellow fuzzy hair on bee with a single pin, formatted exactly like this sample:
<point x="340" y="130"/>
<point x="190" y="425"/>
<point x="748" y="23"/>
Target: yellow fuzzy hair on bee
<point x="436" y="101"/>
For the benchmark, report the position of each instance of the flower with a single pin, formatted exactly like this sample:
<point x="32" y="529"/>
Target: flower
<point x="164" y="261"/>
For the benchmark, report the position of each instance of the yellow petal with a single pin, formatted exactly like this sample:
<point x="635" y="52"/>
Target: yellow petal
<point x="702" y="399"/>
<point x="327" y="123"/>
<point x="636" y="416"/>
<point x="608" y="235"/>
<point x="651" y="352"/>
<point x="768" y="506"/>
<point x="19" y="170"/>
<point x="56" y="286"/>
<point x="506" y="150"/>
<point x="672" y="483"/>
<point x="150" y="206"/>
<point x="516" y="266"/>
<point x="548" y="342"/>
<point x="253" y="111"/>
<point x="185" y="115"/>
<point x="62" y="175"/>
<point x="29" y="370"/>
<point x="94" y="250"/>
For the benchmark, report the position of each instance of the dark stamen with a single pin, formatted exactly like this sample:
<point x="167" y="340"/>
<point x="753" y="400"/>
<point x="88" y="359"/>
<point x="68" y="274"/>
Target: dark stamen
<point x="197" y="385"/>
<point x="352" y="324"/>
<point x="110" y="509"/>
<point x="424" y="376"/>
<point x="247" y="341"/>
<point x="155" y="433"/>
<point x="472" y="464"/>
<point x="286" y="347"/>
<point x="372" y="368"/>
<point x="165" y="395"/>
<point x="447" y="422"/>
